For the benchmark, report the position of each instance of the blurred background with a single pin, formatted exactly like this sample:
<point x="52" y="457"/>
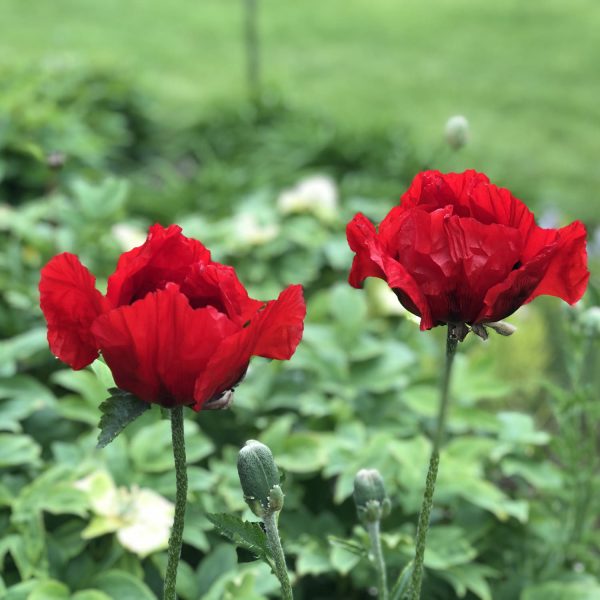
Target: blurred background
<point x="261" y="127"/>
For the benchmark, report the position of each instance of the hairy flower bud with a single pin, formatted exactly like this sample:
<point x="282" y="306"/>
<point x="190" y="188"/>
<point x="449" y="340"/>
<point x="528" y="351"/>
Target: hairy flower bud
<point x="502" y="327"/>
<point x="457" y="132"/>
<point x="372" y="503"/>
<point x="259" y="478"/>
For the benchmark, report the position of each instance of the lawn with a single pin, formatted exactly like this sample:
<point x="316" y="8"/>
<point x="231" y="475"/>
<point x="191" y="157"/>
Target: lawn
<point x="527" y="75"/>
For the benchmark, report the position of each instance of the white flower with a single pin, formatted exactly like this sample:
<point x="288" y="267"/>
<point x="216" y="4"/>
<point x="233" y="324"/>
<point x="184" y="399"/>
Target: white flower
<point x="317" y="195"/>
<point x="140" y="517"/>
<point x="128" y="236"/>
<point x="251" y="232"/>
<point x="457" y="131"/>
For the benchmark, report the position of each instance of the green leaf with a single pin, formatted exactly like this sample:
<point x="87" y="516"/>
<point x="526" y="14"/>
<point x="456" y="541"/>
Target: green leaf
<point x="343" y="559"/>
<point x="187" y="583"/>
<point x="246" y="534"/>
<point x="118" y="410"/>
<point x="313" y="559"/>
<point x="17" y="450"/>
<point x="470" y="577"/>
<point x="90" y="595"/>
<point x="50" y="590"/>
<point x="20" y="591"/>
<point x="222" y="559"/>
<point x="586" y="589"/>
<point x="151" y="446"/>
<point x="122" y="585"/>
<point x="448" y="546"/>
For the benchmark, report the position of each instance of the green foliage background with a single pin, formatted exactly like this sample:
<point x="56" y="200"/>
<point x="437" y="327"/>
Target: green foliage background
<point x="86" y="149"/>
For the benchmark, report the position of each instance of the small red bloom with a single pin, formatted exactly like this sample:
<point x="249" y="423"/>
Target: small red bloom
<point x="458" y="249"/>
<point x="175" y="328"/>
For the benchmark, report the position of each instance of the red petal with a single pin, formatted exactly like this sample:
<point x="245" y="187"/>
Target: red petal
<point x="217" y="285"/>
<point x="566" y="275"/>
<point x="157" y="347"/>
<point x="70" y="302"/>
<point x="274" y="332"/>
<point x="374" y="260"/>
<point x="360" y="233"/>
<point x="471" y="194"/>
<point x="484" y="256"/>
<point x="165" y="257"/>
<point x="559" y="268"/>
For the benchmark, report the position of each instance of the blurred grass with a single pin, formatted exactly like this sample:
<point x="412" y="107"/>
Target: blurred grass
<point x="527" y="75"/>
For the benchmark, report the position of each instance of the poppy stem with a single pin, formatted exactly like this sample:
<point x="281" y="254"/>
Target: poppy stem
<point x="434" y="461"/>
<point x="175" y="540"/>
<point x="270" y="523"/>
<point x="382" y="586"/>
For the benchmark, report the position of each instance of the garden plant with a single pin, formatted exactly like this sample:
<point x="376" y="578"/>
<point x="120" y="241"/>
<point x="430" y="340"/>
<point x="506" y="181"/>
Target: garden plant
<point x="379" y="382"/>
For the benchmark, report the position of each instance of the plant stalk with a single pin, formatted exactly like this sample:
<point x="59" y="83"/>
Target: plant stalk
<point x="270" y="521"/>
<point x="434" y="461"/>
<point x="252" y="48"/>
<point x="176" y="537"/>
<point x="382" y="586"/>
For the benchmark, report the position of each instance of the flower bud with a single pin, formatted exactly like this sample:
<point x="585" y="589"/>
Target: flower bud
<point x="502" y="327"/>
<point x="457" y="132"/>
<point x="372" y="503"/>
<point x="259" y="478"/>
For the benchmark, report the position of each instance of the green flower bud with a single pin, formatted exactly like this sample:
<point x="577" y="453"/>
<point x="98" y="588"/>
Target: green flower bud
<point x="259" y="478"/>
<point x="372" y="503"/>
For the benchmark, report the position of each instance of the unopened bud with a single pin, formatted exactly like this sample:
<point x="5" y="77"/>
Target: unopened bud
<point x="259" y="478"/>
<point x="372" y="503"/>
<point x="457" y="132"/>
<point x="502" y="327"/>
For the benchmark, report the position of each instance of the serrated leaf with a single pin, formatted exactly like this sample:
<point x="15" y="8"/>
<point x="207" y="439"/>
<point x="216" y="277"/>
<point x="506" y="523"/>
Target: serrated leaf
<point x="118" y="410"/>
<point x="246" y="534"/>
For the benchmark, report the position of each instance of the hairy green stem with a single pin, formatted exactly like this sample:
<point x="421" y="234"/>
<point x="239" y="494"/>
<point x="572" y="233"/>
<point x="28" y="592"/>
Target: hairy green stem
<point x="434" y="461"/>
<point x="382" y="586"/>
<point x="175" y="540"/>
<point x="270" y="521"/>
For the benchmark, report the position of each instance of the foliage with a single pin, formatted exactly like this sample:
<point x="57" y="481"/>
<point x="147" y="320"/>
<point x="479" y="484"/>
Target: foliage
<point x="64" y="119"/>
<point x="518" y="487"/>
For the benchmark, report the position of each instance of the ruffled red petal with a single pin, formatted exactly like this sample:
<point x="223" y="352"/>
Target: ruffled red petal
<point x="165" y="257"/>
<point x="217" y="285"/>
<point x="554" y="264"/>
<point x="157" y="346"/>
<point x="373" y="260"/>
<point x="566" y="275"/>
<point x="71" y="303"/>
<point x="471" y="195"/>
<point x="274" y="332"/>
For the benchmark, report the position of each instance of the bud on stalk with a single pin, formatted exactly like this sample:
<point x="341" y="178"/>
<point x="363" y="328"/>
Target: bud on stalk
<point x="372" y="503"/>
<point x="259" y="478"/>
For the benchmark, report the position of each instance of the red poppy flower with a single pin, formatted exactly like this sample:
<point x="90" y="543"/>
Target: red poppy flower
<point x="175" y="328"/>
<point x="461" y="250"/>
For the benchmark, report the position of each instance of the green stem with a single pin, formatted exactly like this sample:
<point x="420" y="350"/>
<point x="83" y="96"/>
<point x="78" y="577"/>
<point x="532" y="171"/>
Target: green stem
<point x="382" y="587"/>
<point x="434" y="461"/>
<point x="270" y="521"/>
<point x="175" y="540"/>
<point x="252" y="48"/>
